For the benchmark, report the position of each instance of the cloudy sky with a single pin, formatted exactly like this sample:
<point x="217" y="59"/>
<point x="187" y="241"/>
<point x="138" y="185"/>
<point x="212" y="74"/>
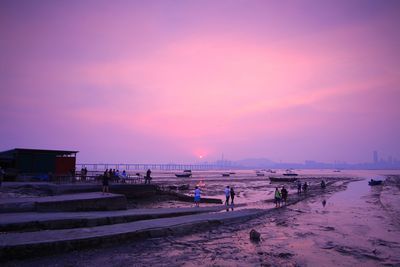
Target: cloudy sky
<point x="170" y="81"/>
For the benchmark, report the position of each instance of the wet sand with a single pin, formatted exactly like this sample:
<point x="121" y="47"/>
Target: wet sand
<point x="357" y="227"/>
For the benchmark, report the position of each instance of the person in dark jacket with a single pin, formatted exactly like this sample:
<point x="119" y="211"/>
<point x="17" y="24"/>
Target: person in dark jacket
<point x="106" y="180"/>
<point x="232" y="195"/>
<point x="284" y="193"/>
<point x="147" y="179"/>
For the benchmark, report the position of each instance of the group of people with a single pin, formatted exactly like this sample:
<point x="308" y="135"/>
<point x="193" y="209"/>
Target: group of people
<point x="280" y="196"/>
<point x="113" y="174"/>
<point x="300" y="187"/>
<point x="229" y="195"/>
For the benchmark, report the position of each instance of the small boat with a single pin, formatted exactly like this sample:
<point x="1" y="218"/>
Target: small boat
<point x="375" y="182"/>
<point x="260" y="174"/>
<point x="187" y="171"/>
<point x="290" y="173"/>
<point x="282" y="179"/>
<point x="336" y="171"/>
<point x="226" y="174"/>
<point x="183" y="175"/>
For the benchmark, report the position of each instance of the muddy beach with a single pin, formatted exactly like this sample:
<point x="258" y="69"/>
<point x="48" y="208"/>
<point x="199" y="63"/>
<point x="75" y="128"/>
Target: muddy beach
<point x="350" y="224"/>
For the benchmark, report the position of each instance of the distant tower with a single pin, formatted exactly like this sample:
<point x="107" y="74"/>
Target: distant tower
<point x="375" y="156"/>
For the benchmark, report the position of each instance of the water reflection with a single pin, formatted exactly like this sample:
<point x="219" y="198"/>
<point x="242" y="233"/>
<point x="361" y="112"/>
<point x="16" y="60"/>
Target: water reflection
<point x="231" y="206"/>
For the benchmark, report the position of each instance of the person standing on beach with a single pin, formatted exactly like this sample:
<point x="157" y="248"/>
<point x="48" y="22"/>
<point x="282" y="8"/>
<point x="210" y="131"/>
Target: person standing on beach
<point x="106" y="179"/>
<point x="284" y="193"/>
<point x="298" y="187"/>
<point x="232" y="195"/>
<point x="148" y="177"/>
<point x="305" y="186"/>
<point x="323" y="185"/>
<point x="197" y="196"/>
<point x="278" y="198"/>
<point x="2" y="173"/>
<point x="227" y="194"/>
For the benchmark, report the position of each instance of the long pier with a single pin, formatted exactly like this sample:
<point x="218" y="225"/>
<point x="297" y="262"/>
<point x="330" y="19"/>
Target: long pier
<point x="152" y="166"/>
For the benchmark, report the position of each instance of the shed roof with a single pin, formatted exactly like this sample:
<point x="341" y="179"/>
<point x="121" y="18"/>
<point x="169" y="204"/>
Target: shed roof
<point x="10" y="153"/>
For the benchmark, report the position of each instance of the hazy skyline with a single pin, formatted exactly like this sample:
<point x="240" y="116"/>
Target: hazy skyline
<point x="170" y="81"/>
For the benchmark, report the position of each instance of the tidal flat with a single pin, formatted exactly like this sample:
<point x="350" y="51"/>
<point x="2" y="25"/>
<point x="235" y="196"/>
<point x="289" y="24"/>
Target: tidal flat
<point x="349" y="224"/>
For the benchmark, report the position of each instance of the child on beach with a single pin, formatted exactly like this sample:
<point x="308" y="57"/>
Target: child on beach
<point x="227" y="195"/>
<point x="197" y="194"/>
<point x="278" y="198"/>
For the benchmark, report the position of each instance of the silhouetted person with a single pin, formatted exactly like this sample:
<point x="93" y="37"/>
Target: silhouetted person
<point x="284" y="193"/>
<point x="2" y="174"/>
<point x="106" y="180"/>
<point x="298" y="187"/>
<point x="323" y="203"/>
<point x="148" y="177"/>
<point x="83" y="178"/>
<point x="323" y="185"/>
<point x="73" y="175"/>
<point x="305" y="186"/>
<point x="232" y="195"/>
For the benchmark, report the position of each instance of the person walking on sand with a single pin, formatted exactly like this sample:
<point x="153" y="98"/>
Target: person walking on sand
<point x="106" y="179"/>
<point x="2" y="173"/>
<point x="305" y="186"/>
<point x="323" y="185"/>
<point x="298" y="187"/>
<point x="278" y="198"/>
<point x="284" y="193"/>
<point x="197" y="196"/>
<point x="148" y="177"/>
<point x="232" y="195"/>
<point x="227" y="194"/>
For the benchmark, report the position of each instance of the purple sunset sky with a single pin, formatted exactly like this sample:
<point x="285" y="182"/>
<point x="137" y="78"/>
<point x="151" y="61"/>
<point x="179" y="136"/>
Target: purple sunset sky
<point x="170" y="81"/>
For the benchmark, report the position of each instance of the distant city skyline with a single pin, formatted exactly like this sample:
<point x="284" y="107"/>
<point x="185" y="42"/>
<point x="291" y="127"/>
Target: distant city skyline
<point x="188" y="81"/>
<point x="390" y="163"/>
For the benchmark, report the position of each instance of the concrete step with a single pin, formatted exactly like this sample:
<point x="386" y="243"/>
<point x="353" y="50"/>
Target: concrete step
<point x="70" y="202"/>
<point x="35" y="221"/>
<point x="28" y="244"/>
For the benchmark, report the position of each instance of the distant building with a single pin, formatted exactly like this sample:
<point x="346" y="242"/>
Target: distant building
<point x="375" y="157"/>
<point x="38" y="161"/>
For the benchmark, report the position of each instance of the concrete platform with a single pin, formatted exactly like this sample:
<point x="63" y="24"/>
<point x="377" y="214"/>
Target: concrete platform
<point x="70" y="202"/>
<point x="28" y="244"/>
<point x="34" y="221"/>
<point x="129" y="190"/>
